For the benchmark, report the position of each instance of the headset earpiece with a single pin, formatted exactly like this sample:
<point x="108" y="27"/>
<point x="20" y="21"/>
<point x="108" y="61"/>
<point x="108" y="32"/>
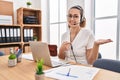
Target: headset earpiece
<point x="81" y="19"/>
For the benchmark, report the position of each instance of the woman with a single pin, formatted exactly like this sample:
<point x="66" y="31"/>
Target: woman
<point x="78" y="44"/>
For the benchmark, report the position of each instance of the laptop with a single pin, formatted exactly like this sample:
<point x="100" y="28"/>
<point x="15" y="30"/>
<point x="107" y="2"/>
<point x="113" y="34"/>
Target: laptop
<point x="41" y="50"/>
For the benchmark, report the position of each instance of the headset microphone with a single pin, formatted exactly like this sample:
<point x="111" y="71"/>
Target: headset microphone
<point x="76" y="23"/>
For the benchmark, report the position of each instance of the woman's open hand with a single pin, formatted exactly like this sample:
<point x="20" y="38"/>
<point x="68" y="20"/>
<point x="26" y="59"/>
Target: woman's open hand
<point x="103" y="41"/>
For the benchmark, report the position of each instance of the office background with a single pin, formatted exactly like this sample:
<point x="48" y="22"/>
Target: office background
<point x="103" y="17"/>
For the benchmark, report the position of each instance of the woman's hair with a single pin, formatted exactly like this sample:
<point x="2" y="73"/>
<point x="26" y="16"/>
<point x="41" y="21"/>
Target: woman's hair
<point x="82" y="19"/>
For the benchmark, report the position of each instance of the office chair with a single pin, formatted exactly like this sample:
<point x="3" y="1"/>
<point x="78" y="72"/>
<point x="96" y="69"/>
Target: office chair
<point x="99" y="56"/>
<point x="1" y="53"/>
<point x="112" y="65"/>
<point x="53" y="49"/>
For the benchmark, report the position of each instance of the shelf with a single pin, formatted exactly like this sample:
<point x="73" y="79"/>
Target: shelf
<point x="10" y="25"/>
<point x="26" y="43"/>
<point x="28" y="16"/>
<point x="28" y="9"/>
<point x="30" y="21"/>
<point x="12" y="43"/>
<point x="31" y="25"/>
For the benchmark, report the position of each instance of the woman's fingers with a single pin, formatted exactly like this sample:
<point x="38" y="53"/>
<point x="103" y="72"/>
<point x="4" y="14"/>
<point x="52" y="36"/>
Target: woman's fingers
<point x="103" y="41"/>
<point x="66" y="45"/>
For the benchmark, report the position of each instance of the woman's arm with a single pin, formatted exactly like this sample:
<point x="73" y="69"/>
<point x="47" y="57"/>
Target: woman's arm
<point x="92" y="54"/>
<point x="64" y="47"/>
<point x="61" y="54"/>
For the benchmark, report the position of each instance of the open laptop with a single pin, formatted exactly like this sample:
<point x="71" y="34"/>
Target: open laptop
<point x="41" y="50"/>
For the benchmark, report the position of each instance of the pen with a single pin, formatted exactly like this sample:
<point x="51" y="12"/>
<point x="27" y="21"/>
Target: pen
<point x="62" y="74"/>
<point x="68" y="72"/>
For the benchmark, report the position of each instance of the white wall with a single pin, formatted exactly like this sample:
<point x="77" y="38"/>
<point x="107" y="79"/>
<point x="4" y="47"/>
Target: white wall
<point x="45" y="20"/>
<point x="88" y="13"/>
<point x="71" y="3"/>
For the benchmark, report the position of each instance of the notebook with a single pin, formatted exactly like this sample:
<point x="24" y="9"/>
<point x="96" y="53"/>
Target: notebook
<point x="41" y="50"/>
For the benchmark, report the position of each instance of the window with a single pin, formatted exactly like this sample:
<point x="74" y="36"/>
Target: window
<point x="58" y="9"/>
<point x="106" y="26"/>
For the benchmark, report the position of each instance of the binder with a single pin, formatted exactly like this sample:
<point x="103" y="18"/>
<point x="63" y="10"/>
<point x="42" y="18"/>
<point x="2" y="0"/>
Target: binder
<point x="11" y="34"/>
<point x="25" y="35"/>
<point x="28" y="35"/>
<point x="0" y="35"/>
<point x="7" y="35"/>
<point x="31" y="34"/>
<point x="15" y="34"/>
<point x="3" y="35"/>
<point x="18" y="35"/>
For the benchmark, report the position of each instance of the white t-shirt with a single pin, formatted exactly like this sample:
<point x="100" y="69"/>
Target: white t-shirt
<point x="84" y="40"/>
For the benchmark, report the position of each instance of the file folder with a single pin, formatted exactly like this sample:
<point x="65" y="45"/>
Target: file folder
<point x="0" y="35"/>
<point x="15" y="34"/>
<point x="7" y="35"/>
<point x="31" y="34"/>
<point x="25" y="35"/>
<point x="28" y="36"/>
<point x="18" y="35"/>
<point x="3" y="35"/>
<point x="11" y="34"/>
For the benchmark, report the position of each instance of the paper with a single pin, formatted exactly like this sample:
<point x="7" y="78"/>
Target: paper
<point x="27" y="56"/>
<point x="75" y="73"/>
<point x="4" y="19"/>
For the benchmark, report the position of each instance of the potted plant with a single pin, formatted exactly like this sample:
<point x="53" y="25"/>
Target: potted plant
<point x="12" y="61"/>
<point x="29" y="4"/>
<point x="39" y="75"/>
<point x="35" y="38"/>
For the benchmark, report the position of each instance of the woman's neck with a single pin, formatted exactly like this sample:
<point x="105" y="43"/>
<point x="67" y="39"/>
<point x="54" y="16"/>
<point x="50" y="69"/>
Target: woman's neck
<point x="75" y="30"/>
<point x="73" y="33"/>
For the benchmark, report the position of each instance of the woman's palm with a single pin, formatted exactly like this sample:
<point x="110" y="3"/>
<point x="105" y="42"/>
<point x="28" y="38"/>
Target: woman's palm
<point x="103" y="41"/>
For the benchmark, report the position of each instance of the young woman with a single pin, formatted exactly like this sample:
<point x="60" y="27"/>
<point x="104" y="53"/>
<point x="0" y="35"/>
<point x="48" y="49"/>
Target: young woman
<point x="78" y="43"/>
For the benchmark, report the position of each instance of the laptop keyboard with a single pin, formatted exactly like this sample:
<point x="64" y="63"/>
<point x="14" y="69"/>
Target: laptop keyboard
<point x="55" y="63"/>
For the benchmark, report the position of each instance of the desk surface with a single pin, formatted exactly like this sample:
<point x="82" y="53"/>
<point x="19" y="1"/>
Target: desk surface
<point x="25" y="70"/>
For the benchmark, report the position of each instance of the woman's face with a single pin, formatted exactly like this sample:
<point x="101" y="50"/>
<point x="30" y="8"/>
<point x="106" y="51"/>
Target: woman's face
<point x="73" y="17"/>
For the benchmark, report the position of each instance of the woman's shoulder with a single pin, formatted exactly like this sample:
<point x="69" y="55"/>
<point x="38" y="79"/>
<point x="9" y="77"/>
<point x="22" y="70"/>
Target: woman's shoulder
<point x="67" y="32"/>
<point x="65" y="36"/>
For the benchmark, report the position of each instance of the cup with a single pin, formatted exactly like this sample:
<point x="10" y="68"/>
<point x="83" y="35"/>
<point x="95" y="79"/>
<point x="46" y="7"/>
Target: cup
<point x="19" y="59"/>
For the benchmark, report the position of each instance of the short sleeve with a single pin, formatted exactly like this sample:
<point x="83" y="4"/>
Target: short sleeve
<point x="91" y="40"/>
<point x="65" y="37"/>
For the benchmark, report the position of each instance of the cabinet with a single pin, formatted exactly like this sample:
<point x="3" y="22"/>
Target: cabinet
<point x="29" y="25"/>
<point x="6" y="41"/>
<point x="30" y="21"/>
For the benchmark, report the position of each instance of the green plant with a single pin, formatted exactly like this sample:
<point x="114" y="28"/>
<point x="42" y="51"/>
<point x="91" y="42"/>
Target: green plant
<point x="39" y="69"/>
<point x="12" y="56"/>
<point x="29" y="3"/>
<point x="35" y="38"/>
